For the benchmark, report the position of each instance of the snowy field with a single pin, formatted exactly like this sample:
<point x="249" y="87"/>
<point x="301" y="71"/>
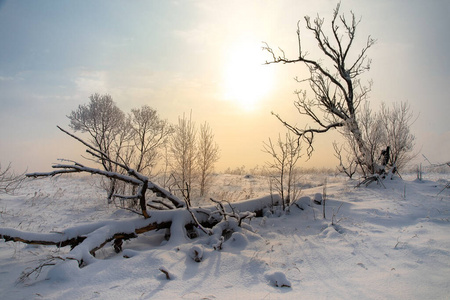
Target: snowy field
<point x="387" y="243"/>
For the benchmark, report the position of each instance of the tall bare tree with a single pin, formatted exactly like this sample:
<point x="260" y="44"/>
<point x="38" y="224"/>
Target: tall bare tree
<point x="334" y="80"/>
<point x="183" y="153"/>
<point x="102" y="120"/>
<point x="130" y="177"/>
<point x="107" y="127"/>
<point x="373" y="136"/>
<point x="208" y="155"/>
<point x="386" y="131"/>
<point x="397" y="122"/>
<point x="285" y="154"/>
<point x="150" y="132"/>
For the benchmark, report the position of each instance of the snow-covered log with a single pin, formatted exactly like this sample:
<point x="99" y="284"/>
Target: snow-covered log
<point x="86" y="239"/>
<point x="77" y="235"/>
<point x="55" y="239"/>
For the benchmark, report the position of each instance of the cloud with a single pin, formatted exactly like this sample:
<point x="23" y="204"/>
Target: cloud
<point x="6" y="78"/>
<point x="92" y="82"/>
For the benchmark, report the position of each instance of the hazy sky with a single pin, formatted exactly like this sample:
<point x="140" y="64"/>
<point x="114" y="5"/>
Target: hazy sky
<point x="205" y="56"/>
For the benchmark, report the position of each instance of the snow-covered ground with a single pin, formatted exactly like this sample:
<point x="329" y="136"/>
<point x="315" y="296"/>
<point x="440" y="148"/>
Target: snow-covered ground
<point x="391" y="243"/>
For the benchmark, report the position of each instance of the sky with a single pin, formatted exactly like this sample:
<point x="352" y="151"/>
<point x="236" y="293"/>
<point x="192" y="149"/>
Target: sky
<point x="206" y="57"/>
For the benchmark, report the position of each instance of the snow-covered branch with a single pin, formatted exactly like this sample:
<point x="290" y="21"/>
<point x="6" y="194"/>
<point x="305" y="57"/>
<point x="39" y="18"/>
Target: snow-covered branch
<point x="86" y="239"/>
<point x="131" y="176"/>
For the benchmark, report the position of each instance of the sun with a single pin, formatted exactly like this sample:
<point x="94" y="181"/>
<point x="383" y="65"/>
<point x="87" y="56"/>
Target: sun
<point x="246" y="79"/>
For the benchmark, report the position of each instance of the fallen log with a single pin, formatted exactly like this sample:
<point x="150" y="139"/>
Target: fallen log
<point x="85" y="240"/>
<point x="70" y="242"/>
<point x="63" y="239"/>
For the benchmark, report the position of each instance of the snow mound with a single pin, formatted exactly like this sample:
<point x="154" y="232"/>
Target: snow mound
<point x="196" y="253"/>
<point x="330" y="233"/>
<point x="238" y="240"/>
<point x="304" y="202"/>
<point x="318" y="198"/>
<point x="165" y="274"/>
<point x="64" y="271"/>
<point x="128" y="253"/>
<point x="278" y="279"/>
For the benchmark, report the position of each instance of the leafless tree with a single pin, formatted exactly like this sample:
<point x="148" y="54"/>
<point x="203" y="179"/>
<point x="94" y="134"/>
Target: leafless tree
<point x="121" y="150"/>
<point x="373" y="135"/>
<point x="107" y="127"/>
<point x="347" y="163"/>
<point x="334" y="80"/>
<point x="183" y="152"/>
<point x="9" y="181"/>
<point x="149" y="133"/>
<point x="208" y="155"/>
<point x="293" y="151"/>
<point x="285" y="154"/>
<point x="278" y="163"/>
<point x="387" y="129"/>
<point x="131" y="176"/>
<point x="102" y="120"/>
<point x="397" y="123"/>
<point x="165" y="176"/>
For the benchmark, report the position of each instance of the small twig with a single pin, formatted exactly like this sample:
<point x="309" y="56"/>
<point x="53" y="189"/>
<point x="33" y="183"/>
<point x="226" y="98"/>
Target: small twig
<point x="49" y="261"/>
<point x="163" y="203"/>
<point x="334" y="215"/>
<point x="205" y="230"/>
<point x="223" y="212"/>
<point x="9" y="181"/>
<point x="162" y="269"/>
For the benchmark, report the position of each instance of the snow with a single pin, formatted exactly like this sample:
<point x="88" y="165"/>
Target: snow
<point x="375" y="243"/>
<point x="278" y="279"/>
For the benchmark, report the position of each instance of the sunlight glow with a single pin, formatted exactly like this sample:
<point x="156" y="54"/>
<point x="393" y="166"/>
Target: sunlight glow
<point x="246" y="79"/>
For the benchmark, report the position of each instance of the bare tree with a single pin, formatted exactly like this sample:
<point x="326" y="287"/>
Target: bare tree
<point x="9" y="181"/>
<point x="104" y="122"/>
<point x="334" y="80"/>
<point x="373" y="136"/>
<point x="285" y="154"/>
<point x="150" y="132"/>
<point x="166" y="177"/>
<point x="397" y="122"/>
<point x="121" y="152"/>
<point x="387" y="132"/>
<point x="347" y="163"/>
<point x="131" y="176"/>
<point x="208" y="155"/>
<point x="278" y="164"/>
<point x="183" y="153"/>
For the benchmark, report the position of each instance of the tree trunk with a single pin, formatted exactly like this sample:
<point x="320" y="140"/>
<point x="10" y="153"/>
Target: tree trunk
<point x="85" y="240"/>
<point x="142" y="199"/>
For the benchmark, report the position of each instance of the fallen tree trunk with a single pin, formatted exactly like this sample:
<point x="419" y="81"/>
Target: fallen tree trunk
<point x="85" y="240"/>
<point x="67" y="238"/>
<point x="16" y="237"/>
